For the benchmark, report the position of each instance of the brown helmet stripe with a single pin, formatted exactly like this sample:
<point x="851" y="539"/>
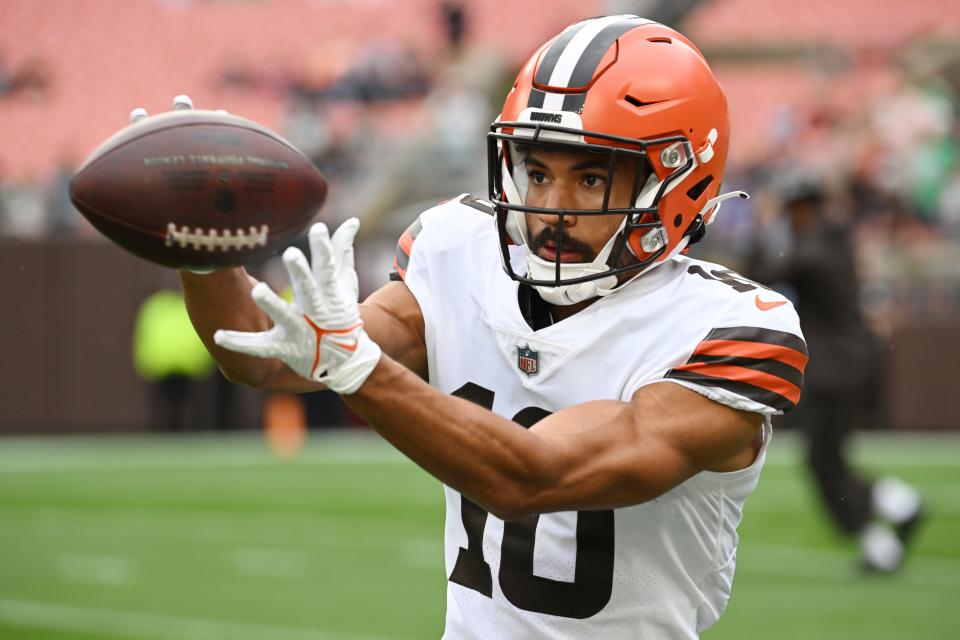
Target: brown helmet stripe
<point x="570" y="62"/>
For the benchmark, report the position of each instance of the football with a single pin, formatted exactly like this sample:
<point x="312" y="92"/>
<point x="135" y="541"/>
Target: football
<point x="198" y="190"/>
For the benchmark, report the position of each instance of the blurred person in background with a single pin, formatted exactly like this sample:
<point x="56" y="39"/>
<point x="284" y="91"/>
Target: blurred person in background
<point x="168" y="354"/>
<point x="843" y="381"/>
<point x="550" y="354"/>
<point x="64" y="219"/>
<point x="454" y="20"/>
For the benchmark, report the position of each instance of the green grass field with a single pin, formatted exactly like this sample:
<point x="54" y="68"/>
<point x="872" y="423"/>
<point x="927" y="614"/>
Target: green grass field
<point x="212" y="538"/>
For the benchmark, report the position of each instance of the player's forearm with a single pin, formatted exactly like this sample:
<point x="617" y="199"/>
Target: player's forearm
<point x="221" y="300"/>
<point x="589" y="456"/>
<point x="493" y="461"/>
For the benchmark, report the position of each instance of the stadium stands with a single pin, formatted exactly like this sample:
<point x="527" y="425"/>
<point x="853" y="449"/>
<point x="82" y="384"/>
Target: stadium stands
<point x="103" y="58"/>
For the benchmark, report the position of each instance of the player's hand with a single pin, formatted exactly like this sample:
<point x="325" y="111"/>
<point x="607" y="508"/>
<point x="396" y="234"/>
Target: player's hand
<point x="320" y="335"/>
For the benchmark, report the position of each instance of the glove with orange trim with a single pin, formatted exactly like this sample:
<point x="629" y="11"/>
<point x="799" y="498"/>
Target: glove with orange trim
<point x="320" y="335"/>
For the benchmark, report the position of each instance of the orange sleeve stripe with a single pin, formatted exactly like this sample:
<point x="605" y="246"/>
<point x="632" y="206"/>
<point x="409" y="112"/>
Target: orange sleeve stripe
<point x="744" y="374"/>
<point x="758" y="350"/>
<point x="406" y="242"/>
<point x="396" y="267"/>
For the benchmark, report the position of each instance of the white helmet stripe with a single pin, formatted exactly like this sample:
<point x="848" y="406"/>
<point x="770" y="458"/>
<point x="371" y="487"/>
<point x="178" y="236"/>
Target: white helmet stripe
<point x="573" y="58"/>
<point x="587" y="45"/>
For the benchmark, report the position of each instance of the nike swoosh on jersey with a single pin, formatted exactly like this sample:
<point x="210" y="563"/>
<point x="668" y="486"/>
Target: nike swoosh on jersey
<point x="766" y="306"/>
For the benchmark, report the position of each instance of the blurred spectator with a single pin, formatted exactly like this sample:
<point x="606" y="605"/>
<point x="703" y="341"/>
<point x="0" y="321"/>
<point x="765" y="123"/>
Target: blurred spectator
<point x="842" y="380"/>
<point x="239" y="74"/>
<point x="168" y="354"/>
<point x="31" y="78"/>
<point x="3" y="198"/>
<point x="4" y="78"/>
<point x="459" y="114"/>
<point x="24" y="210"/>
<point x="64" y="219"/>
<point x="304" y="126"/>
<point x="949" y="204"/>
<point x="454" y="21"/>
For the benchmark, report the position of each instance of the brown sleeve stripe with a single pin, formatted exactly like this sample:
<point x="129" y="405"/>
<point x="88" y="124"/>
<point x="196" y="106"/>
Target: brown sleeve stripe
<point x="404" y="247"/>
<point x="759" y="334"/>
<point x="772" y="366"/>
<point x="768" y="398"/>
<point x="746" y="375"/>
<point x="761" y="364"/>
<point x="756" y="350"/>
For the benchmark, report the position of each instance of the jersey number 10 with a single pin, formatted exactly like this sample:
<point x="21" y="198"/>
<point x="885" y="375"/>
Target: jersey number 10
<point x="593" y="582"/>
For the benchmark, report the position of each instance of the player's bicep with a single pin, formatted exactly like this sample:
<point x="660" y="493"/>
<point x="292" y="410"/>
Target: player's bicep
<point x="392" y="317"/>
<point x="611" y="454"/>
<point x="703" y="434"/>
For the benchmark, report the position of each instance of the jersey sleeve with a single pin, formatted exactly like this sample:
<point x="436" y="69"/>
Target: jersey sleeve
<point x="444" y="219"/>
<point x="746" y="367"/>
<point x="401" y="261"/>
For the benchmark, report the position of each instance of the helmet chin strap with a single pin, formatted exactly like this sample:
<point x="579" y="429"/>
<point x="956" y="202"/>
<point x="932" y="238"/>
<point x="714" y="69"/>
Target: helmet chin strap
<point x="567" y="294"/>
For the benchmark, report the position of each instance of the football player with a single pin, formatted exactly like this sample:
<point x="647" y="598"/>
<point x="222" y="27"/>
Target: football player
<point x="596" y="403"/>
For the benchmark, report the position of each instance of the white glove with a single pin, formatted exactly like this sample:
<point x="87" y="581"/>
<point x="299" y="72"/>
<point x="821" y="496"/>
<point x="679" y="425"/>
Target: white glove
<point x="320" y="335"/>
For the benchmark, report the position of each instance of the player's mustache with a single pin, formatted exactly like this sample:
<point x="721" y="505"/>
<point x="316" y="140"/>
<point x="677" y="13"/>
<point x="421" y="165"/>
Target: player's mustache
<point x="562" y="240"/>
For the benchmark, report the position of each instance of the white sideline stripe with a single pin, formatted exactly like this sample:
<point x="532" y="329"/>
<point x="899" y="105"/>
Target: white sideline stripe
<point x="154" y="626"/>
<point x="422" y="555"/>
<point x="95" y="569"/>
<point x="266" y="562"/>
<point x="43" y="466"/>
<point x="802" y="562"/>
<point x="359" y="456"/>
<point x="208" y="524"/>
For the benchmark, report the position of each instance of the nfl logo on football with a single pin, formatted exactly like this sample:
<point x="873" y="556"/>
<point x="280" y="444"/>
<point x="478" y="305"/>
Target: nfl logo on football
<point x="527" y="359"/>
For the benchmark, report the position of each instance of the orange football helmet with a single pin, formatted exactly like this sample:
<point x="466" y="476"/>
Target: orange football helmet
<point x="621" y="86"/>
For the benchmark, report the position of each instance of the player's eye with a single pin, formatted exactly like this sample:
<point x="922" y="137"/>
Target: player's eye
<point x="537" y="177"/>
<point x="593" y="180"/>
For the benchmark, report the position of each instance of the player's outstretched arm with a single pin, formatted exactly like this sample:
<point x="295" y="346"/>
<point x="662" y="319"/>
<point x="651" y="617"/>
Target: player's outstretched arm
<point x="222" y="300"/>
<point x="233" y="301"/>
<point x="592" y="456"/>
<point x="324" y="338"/>
<point x="597" y="455"/>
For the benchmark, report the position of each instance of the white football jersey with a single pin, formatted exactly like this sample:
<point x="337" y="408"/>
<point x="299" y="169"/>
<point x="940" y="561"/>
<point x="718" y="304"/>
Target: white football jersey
<point x="661" y="569"/>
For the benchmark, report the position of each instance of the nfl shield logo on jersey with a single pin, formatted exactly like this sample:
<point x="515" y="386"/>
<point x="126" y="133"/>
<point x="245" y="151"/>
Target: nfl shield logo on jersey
<point x="527" y="359"/>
